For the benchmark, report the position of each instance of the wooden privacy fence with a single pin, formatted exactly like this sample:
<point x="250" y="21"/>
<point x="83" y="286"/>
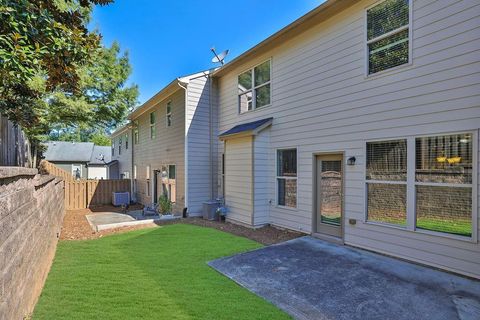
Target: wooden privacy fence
<point x="80" y="194"/>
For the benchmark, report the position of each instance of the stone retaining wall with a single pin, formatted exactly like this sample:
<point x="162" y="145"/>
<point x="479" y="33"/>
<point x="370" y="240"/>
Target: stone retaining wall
<point x="31" y="215"/>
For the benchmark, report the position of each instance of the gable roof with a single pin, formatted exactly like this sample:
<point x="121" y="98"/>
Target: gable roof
<point x="68" y="151"/>
<point x="171" y="88"/>
<point x="101" y="155"/>
<point x="310" y="19"/>
<point x="249" y="128"/>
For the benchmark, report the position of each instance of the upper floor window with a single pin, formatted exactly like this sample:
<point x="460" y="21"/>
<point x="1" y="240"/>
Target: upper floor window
<point x="153" y="129"/>
<point x="126" y="141"/>
<point x="254" y="88"/>
<point x="169" y="114"/>
<point x="113" y="147"/>
<point x="388" y="35"/>
<point x="120" y="145"/>
<point x="135" y="131"/>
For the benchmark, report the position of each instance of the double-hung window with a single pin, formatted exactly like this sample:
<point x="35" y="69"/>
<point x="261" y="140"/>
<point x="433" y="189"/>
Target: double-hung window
<point x="119" y="145"/>
<point x="169" y="114"/>
<point x="254" y="88"/>
<point x="153" y="129"/>
<point x="135" y="131"/>
<point x="148" y="182"/>
<point x="126" y="141"/>
<point x="386" y="178"/>
<point x="388" y="35"/>
<point x="287" y="178"/>
<point x="423" y="183"/>
<point x="113" y="147"/>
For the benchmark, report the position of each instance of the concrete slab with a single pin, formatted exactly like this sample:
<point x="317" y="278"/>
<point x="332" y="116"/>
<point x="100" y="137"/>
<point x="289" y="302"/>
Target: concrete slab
<point x="314" y="279"/>
<point x="110" y="220"/>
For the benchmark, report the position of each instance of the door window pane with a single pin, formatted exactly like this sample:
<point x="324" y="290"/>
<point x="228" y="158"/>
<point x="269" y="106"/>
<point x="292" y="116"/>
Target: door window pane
<point x="331" y="192"/>
<point x="445" y="209"/>
<point x="387" y="203"/>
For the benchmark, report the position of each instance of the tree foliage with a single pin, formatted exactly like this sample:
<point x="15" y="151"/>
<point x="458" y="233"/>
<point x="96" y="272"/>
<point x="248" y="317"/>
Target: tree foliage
<point x="45" y="51"/>
<point x="102" y="100"/>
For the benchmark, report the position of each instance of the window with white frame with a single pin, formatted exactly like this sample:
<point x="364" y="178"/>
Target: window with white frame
<point x="135" y="132"/>
<point x="134" y="179"/>
<point x="148" y="181"/>
<point x="386" y="178"/>
<point x="126" y="141"/>
<point x="168" y="117"/>
<point x="287" y="178"/>
<point x="443" y="183"/>
<point x="388" y="35"/>
<point x="153" y="128"/>
<point x="119" y="145"/>
<point x="113" y="147"/>
<point x="254" y="88"/>
<point x="439" y="178"/>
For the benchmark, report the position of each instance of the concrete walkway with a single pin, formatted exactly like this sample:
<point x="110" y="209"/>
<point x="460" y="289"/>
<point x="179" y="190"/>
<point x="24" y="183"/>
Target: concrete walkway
<point x="313" y="279"/>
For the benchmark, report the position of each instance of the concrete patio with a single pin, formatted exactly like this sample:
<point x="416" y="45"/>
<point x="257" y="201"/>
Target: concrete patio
<point x="313" y="279"/>
<point x="109" y="220"/>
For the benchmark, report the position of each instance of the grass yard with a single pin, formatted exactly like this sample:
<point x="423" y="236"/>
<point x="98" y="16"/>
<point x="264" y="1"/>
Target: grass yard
<point x="158" y="273"/>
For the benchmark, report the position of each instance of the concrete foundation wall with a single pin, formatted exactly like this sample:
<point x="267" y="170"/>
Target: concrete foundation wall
<point x="31" y="214"/>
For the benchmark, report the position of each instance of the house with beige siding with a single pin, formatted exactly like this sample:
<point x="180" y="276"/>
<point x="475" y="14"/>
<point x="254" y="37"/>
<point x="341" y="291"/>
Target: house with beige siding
<point x="121" y="164"/>
<point x="358" y="123"/>
<point x="171" y="145"/>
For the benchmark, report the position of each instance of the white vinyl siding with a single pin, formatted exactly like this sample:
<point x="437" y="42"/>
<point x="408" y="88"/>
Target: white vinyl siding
<point x="169" y="148"/>
<point x="262" y="178"/>
<point x="322" y="102"/>
<point x="202" y="167"/>
<point x="238" y="180"/>
<point x="124" y="159"/>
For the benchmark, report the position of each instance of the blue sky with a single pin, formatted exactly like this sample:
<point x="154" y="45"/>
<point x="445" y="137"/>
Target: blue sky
<point x="167" y="39"/>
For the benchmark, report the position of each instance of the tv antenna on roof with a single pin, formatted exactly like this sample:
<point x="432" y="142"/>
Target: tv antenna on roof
<point x="219" y="58"/>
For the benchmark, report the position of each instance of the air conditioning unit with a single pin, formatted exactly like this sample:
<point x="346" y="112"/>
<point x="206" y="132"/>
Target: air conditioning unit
<point x="120" y="198"/>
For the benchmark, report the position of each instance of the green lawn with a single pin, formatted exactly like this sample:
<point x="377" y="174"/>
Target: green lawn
<point x="156" y="273"/>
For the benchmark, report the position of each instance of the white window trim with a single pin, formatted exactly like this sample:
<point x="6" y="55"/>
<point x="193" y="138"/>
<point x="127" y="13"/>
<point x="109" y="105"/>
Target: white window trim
<point x="411" y="186"/>
<point x="367" y="42"/>
<point x="254" y="102"/>
<point x="167" y="114"/>
<point x="277" y="177"/>
<point x="152" y="125"/>
<point x="136" y="132"/>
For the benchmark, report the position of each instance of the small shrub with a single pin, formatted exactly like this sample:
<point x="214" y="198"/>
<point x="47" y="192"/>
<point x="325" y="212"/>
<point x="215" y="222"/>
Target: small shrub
<point x="164" y="205"/>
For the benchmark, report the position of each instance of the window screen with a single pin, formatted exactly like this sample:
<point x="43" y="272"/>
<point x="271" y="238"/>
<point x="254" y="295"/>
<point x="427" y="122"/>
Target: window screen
<point x="387" y="51"/>
<point x="386" y="178"/>
<point x="443" y="174"/>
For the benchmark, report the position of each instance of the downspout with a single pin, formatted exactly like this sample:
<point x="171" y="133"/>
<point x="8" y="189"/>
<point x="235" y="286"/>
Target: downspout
<point x="185" y="154"/>
<point x="212" y="167"/>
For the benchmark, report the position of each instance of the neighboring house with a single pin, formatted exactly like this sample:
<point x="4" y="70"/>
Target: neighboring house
<point x="359" y="123"/>
<point x="83" y="159"/>
<point x="121" y="152"/>
<point x="172" y="143"/>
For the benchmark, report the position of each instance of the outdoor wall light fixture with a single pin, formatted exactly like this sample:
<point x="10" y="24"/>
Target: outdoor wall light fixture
<point x="351" y="161"/>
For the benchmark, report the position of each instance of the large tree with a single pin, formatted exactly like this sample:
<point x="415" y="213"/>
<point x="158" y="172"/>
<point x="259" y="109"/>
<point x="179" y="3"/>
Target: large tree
<point x="43" y="46"/>
<point x="101" y="101"/>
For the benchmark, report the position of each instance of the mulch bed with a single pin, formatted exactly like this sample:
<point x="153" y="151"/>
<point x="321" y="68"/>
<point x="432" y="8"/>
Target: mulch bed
<point x="76" y="227"/>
